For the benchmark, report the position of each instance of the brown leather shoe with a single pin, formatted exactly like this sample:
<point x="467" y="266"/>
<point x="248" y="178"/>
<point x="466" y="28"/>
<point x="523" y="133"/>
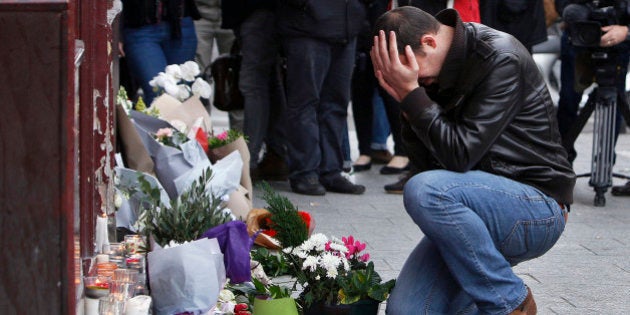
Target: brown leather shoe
<point x="381" y="156"/>
<point x="528" y="307"/>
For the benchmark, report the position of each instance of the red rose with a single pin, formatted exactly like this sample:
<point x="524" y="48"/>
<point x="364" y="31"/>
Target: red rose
<point x="240" y="307"/>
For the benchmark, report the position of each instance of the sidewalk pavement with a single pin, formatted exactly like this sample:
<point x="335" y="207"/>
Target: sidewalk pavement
<point x="586" y="272"/>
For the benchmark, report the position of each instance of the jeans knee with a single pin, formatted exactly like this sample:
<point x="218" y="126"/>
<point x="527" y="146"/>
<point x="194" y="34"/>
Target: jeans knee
<point x="422" y="187"/>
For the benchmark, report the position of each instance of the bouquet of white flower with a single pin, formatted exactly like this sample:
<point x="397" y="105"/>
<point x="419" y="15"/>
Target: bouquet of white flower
<point x="317" y="264"/>
<point x="181" y="82"/>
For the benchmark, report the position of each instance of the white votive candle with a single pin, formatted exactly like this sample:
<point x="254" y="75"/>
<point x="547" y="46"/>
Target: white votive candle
<point x="102" y="258"/>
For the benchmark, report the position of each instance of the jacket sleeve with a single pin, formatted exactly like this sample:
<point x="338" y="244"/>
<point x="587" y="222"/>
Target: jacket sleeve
<point x="417" y="152"/>
<point x="483" y="115"/>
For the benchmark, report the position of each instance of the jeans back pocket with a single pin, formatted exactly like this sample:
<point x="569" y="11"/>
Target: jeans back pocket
<point x="531" y="239"/>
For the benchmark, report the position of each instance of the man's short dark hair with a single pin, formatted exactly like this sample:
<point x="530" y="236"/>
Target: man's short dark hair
<point x="409" y="23"/>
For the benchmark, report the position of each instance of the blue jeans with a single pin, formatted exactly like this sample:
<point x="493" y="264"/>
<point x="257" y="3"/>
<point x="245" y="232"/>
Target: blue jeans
<point x="380" y="124"/>
<point x="149" y="49"/>
<point x="477" y="226"/>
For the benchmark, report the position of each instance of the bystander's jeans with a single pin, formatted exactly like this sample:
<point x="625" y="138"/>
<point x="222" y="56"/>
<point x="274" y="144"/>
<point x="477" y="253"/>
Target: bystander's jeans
<point x="477" y="226"/>
<point x="149" y="49"/>
<point x="380" y="124"/>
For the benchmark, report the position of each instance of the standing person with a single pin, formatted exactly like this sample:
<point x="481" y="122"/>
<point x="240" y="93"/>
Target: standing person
<point x="156" y="34"/>
<point x="575" y="64"/>
<point x="209" y="32"/>
<point x="370" y="124"/>
<point x="486" y="198"/>
<point x="254" y="23"/>
<point x="318" y="39"/>
<point x="523" y="19"/>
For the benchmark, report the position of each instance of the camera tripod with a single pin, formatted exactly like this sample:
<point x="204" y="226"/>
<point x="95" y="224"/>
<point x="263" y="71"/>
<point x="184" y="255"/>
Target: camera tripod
<point x="602" y="103"/>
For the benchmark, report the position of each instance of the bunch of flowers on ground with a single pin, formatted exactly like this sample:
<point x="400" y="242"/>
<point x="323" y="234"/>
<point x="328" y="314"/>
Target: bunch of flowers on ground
<point x="224" y="138"/>
<point x="181" y="81"/>
<point x="334" y="271"/>
<point x="316" y="264"/>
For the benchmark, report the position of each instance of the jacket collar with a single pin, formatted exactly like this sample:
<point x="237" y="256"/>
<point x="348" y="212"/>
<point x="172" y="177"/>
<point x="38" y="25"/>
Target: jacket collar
<point x="456" y="56"/>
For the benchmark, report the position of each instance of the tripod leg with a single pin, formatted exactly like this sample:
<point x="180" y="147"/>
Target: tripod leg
<point x="568" y="139"/>
<point x="603" y="143"/>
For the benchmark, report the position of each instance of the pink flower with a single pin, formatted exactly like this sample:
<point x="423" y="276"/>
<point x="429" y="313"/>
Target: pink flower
<point x="164" y="132"/>
<point x="348" y="240"/>
<point x="222" y="136"/>
<point x="364" y="257"/>
<point x="359" y="246"/>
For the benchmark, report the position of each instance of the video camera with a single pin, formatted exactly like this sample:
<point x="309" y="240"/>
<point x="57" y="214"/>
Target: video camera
<point x="585" y="19"/>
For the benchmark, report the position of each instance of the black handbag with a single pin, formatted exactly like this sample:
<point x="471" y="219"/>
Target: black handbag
<point x="225" y="70"/>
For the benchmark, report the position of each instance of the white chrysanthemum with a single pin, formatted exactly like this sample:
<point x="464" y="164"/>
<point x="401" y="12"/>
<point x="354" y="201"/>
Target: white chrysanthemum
<point x="287" y="250"/>
<point x="175" y="71"/>
<point x="202" y="88"/>
<point x="301" y="254"/>
<point x="330" y="261"/>
<point x="319" y="239"/>
<point x="338" y="247"/>
<point x="306" y="246"/>
<point x="189" y="71"/>
<point x="183" y="92"/>
<point x="310" y="263"/>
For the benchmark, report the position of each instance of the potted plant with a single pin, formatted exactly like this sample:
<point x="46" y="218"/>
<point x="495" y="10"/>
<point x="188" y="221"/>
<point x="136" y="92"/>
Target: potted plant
<point x="316" y="265"/>
<point x="336" y="277"/>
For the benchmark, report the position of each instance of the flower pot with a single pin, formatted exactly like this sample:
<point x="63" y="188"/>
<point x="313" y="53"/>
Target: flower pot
<point x="285" y="306"/>
<point x="365" y="307"/>
<point x="362" y="307"/>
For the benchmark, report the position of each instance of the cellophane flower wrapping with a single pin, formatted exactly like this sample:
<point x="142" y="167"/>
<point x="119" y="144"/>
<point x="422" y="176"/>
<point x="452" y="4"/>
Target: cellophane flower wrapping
<point x="177" y="167"/>
<point x="235" y="243"/>
<point x="186" y="277"/>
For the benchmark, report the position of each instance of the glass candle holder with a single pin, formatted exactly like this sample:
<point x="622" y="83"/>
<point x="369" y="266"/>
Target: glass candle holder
<point x="106" y="269"/>
<point x="133" y="243"/>
<point x="116" y="254"/>
<point x="96" y="287"/>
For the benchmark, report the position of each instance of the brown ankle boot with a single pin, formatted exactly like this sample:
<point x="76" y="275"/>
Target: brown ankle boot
<point x="528" y="307"/>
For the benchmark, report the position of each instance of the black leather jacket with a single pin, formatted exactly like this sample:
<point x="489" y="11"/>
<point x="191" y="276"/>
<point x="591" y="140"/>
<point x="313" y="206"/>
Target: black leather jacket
<point x="491" y="112"/>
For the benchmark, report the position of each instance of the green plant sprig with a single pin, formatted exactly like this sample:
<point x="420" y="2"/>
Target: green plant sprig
<point x="189" y="216"/>
<point x="291" y="229"/>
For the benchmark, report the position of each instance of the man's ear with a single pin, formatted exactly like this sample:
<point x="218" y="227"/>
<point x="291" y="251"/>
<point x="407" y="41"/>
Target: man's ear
<point x="428" y="40"/>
